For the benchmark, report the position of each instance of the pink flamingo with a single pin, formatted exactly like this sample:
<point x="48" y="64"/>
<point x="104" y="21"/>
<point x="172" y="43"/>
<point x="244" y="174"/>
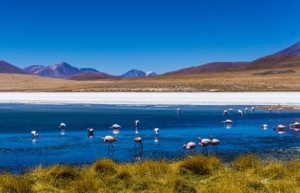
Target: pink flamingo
<point x="204" y="143"/>
<point x="138" y="140"/>
<point x="34" y="134"/>
<point x="109" y="139"/>
<point x="189" y="146"/>
<point x="214" y="142"/>
<point x="90" y="132"/>
<point x="156" y="130"/>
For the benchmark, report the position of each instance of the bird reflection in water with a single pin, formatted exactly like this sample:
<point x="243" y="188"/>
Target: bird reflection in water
<point x="138" y="153"/>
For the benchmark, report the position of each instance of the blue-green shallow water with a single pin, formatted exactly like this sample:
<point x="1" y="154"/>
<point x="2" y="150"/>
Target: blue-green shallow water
<point x="18" y="151"/>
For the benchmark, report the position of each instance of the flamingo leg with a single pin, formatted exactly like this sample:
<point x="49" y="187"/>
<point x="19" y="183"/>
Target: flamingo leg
<point x="141" y="145"/>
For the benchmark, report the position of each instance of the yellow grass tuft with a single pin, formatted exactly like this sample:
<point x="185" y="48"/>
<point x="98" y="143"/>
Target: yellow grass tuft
<point x="245" y="162"/>
<point x="199" y="164"/>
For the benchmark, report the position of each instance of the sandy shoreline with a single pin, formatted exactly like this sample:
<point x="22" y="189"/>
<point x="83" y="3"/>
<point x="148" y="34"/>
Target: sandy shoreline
<point x="129" y="98"/>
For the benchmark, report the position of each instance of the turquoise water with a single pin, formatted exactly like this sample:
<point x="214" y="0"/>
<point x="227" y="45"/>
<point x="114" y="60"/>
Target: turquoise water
<point x="19" y="151"/>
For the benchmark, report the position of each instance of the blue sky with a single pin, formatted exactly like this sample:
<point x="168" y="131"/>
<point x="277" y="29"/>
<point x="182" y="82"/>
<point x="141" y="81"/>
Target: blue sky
<point x="115" y="36"/>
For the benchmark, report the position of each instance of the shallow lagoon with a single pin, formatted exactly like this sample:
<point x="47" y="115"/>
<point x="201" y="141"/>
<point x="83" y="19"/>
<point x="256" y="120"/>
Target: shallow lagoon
<point x="19" y="151"/>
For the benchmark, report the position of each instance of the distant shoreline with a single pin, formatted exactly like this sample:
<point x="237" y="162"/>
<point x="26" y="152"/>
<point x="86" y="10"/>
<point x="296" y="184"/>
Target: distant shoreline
<point x="153" y="98"/>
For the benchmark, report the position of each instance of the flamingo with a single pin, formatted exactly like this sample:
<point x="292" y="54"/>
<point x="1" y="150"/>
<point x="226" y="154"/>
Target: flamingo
<point x="137" y="123"/>
<point x="109" y="139"/>
<point x="138" y="140"/>
<point x="179" y="109"/>
<point x="252" y="109"/>
<point x="189" y="146"/>
<point x="264" y="126"/>
<point x="156" y="130"/>
<point x="115" y="126"/>
<point x="240" y="113"/>
<point x="214" y="142"/>
<point x="62" y="125"/>
<point x="204" y="143"/>
<point x="279" y="109"/>
<point x="228" y="123"/>
<point x="34" y="134"/>
<point x="280" y="128"/>
<point x="90" y="132"/>
<point x="295" y="126"/>
<point x="246" y="110"/>
<point x="270" y="110"/>
<point x="225" y="112"/>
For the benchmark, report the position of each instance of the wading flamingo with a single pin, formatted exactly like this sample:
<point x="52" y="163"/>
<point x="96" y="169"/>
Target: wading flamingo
<point x="264" y="126"/>
<point x="214" y="142"/>
<point x="90" y="132"/>
<point x="240" y="113"/>
<point x="156" y="130"/>
<point x="109" y="139"/>
<point x="34" y="134"/>
<point x="139" y="141"/>
<point x="204" y="143"/>
<point x="189" y="146"/>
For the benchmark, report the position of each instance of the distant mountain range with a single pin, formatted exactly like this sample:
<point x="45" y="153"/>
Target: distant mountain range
<point x="6" y="67"/>
<point x="137" y="73"/>
<point x="288" y="57"/>
<point x="61" y="70"/>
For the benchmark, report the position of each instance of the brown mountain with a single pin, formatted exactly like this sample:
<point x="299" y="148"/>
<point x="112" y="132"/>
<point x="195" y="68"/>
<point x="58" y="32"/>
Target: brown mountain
<point x="212" y="67"/>
<point x="292" y="50"/>
<point x="6" y="67"/>
<point x="91" y="76"/>
<point x="275" y="61"/>
<point x="288" y="57"/>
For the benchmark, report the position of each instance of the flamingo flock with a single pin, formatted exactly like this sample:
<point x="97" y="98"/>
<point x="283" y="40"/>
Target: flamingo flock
<point x="191" y="146"/>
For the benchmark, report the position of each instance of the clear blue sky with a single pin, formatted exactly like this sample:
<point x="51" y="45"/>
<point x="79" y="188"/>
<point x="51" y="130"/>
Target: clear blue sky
<point x="115" y="36"/>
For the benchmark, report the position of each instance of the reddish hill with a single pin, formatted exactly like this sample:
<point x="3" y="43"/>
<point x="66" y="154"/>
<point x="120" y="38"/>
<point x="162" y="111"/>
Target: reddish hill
<point x="288" y="57"/>
<point x="292" y="50"/>
<point x="212" y="67"/>
<point x="8" y="68"/>
<point x="275" y="61"/>
<point x="91" y="76"/>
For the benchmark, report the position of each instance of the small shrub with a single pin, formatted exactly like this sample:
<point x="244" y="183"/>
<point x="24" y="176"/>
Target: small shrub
<point x="245" y="162"/>
<point x="199" y="164"/>
<point x="14" y="184"/>
<point x="181" y="186"/>
<point x="104" y="166"/>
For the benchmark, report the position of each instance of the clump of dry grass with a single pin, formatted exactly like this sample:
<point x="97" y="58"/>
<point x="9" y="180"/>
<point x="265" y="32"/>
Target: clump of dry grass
<point x="105" y="167"/>
<point x="181" y="186"/>
<point x="245" y="162"/>
<point x="199" y="164"/>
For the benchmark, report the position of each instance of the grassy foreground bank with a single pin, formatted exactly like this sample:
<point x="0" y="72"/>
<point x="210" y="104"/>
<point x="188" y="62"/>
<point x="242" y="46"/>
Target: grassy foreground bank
<point x="193" y="174"/>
